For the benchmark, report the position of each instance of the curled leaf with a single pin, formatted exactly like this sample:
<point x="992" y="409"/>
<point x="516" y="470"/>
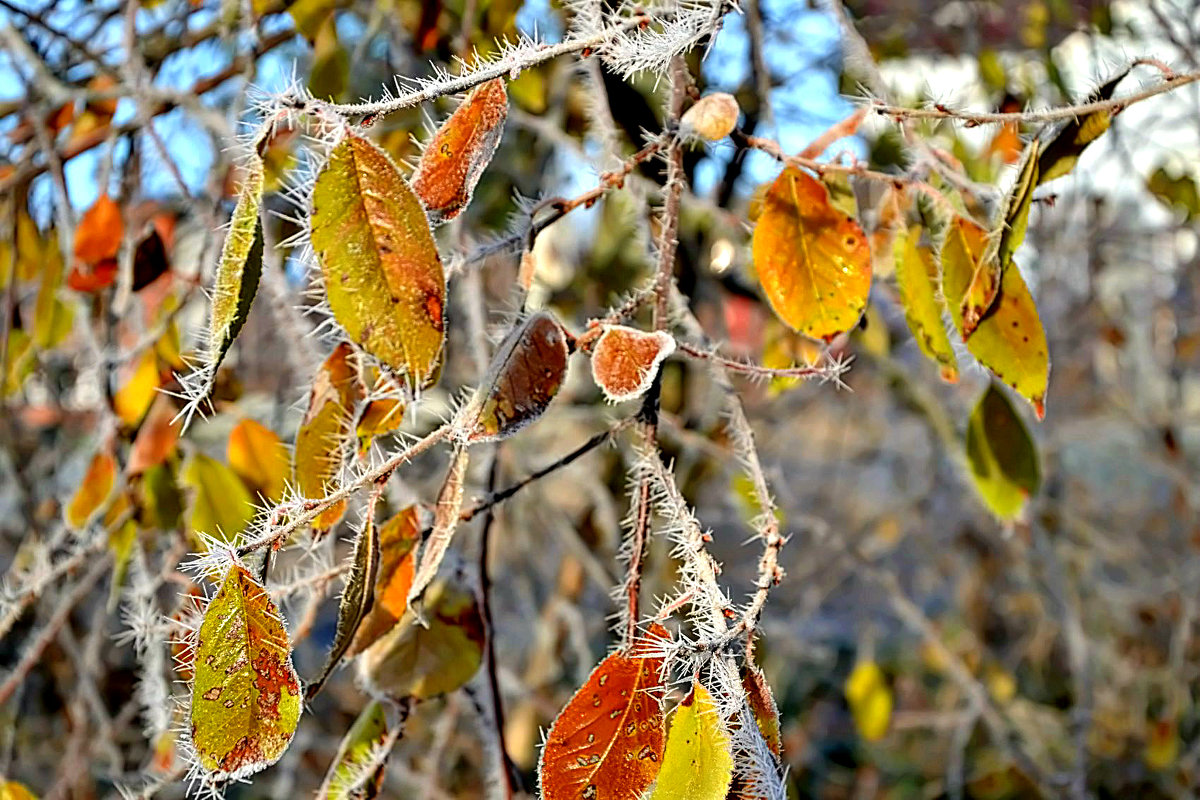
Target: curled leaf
<point x="526" y="373"/>
<point x="378" y="418"/>
<point x="445" y="522"/>
<point x="762" y="705"/>
<point x="356" y="600"/>
<point x="697" y="761"/>
<point x="245" y="693"/>
<point x="460" y="151"/>
<point x="1001" y="455"/>
<point x="1010" y="340"/>
<point x="917" y="280"/>
<point x="1012" y="227"/>
<point x="625" y="361"/>
<point x="712" y="118"/>
<point x="418" y="661"/>
<point x="608" y="741"/>
<point x="352" y="767"/>
<point x="238" y="270"/>
<point x="382" y="273"/>
<point x="812" y="258"/>
<point x="397" y="547"/>
<point x="1066" y="143"/>
<point x="320" y="441"/>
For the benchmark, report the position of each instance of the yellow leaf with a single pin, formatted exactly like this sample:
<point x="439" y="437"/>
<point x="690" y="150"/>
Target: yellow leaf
<point x="1010" y="340"/>
<point x="52" y="318"/>
<point x="220" y="505"/>
<point x="377" y="418"/>
<point x="259" y="458"/>
<point x="11" y="790"/>
<point x="870" y="700"/>
<point x="133" y="399"/>
<point x="916" y="278"/>
<point x="1015" y="221"/>
<point x="1065" y="144"/>
<point x="1162" y="744"/>
<point x="324" y="431"/>
<point x="812" y="258"/>
<point x="697" y="762"/>
<point x="1001" y="455"/>
<point x="20" y="360"/>
<point x="245" y="693"/>
<point x="93" y="491"/>
<point x="383" y="276"/>
<point x="411" y="660"/>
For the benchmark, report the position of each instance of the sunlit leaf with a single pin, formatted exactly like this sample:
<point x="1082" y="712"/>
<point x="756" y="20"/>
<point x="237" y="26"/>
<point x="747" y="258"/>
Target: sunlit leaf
<point x="608" y="740"/>
<point x="357" y="598"/>
<point x="1064" y="145"/>
<point x="712" y="118"/>
<point x="219" y="503"/>
<point x="93" y="491"/>
<point x="460" y="151"/>
<point x="238" y="269"/>
<point x="258" y="457"/>
<point x="383" y="276"/>
<point x="762" y="705"/>
<point x="398" y="539"/>
<point x="1001" y="455"/>
<point x="1162" y="744"/>
<point x="526" y="372"/>
<point x="697" y="762"/>
<point x="412" y="660"/>
<point x="625" y="361"/>
<point x="870" y="700"/>
<point x="11" y="790"/>
<point x="346" y="773"/>
<point x="812" y="259"/>
<point x="99" y="232"/>
<point x="19" y="360"/>
<point x="1015" y="221"/>
<point x="137" y="393"/>
<point x="320" y="442"/>
<point x="1010" y="340"/>
<point x="917" y="280"/>
<point x="245" y="693"/>
<point x="378" y="418"/>
<point x="30" y="249"/>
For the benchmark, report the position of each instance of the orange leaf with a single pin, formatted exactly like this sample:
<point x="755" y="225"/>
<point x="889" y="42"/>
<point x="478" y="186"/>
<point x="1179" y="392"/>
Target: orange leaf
<point x="812" y="258"/>
<point x="92" y="277"/>
<point x="327" y="423"/>
<point x="397" y="545"/>
<point x="608" y="741"/>
<point x="156" y="439"/>
<point x="460" y="151"/>
<point x="625" y="361"/>
<point x="762" y="704"/>
<point x="93" y="491"/>
<point x="259" y="459"/>
<point x="98" y="235"/>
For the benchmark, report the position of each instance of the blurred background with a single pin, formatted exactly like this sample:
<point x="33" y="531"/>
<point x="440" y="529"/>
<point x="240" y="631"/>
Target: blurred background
<point x="1078" y="626"/>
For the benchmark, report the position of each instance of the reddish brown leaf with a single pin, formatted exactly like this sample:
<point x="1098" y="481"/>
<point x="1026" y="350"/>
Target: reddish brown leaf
<point x="460" y="151"/>
<point x="608" y="742"/>
<point x="625" y="361"/>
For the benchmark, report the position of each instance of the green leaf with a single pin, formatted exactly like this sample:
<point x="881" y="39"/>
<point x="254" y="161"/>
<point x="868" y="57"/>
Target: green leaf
<point x="697" y="762"/>
<point x="238" y="269"/>
<point x="383" y="276"/>
<point x="421" y="662"/>
<point x="1064" y="145"/>
<point x="245" y="693"/>
<point x="219" y="505"/>
<point x="352" y="766"/>
<point x="356" y="601"/>
<point x="1001" y="455"/>
<point x="917" y="280"/>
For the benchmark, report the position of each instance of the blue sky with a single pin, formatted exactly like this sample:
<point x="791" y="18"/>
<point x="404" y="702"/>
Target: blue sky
<point x="804" y="51"/>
